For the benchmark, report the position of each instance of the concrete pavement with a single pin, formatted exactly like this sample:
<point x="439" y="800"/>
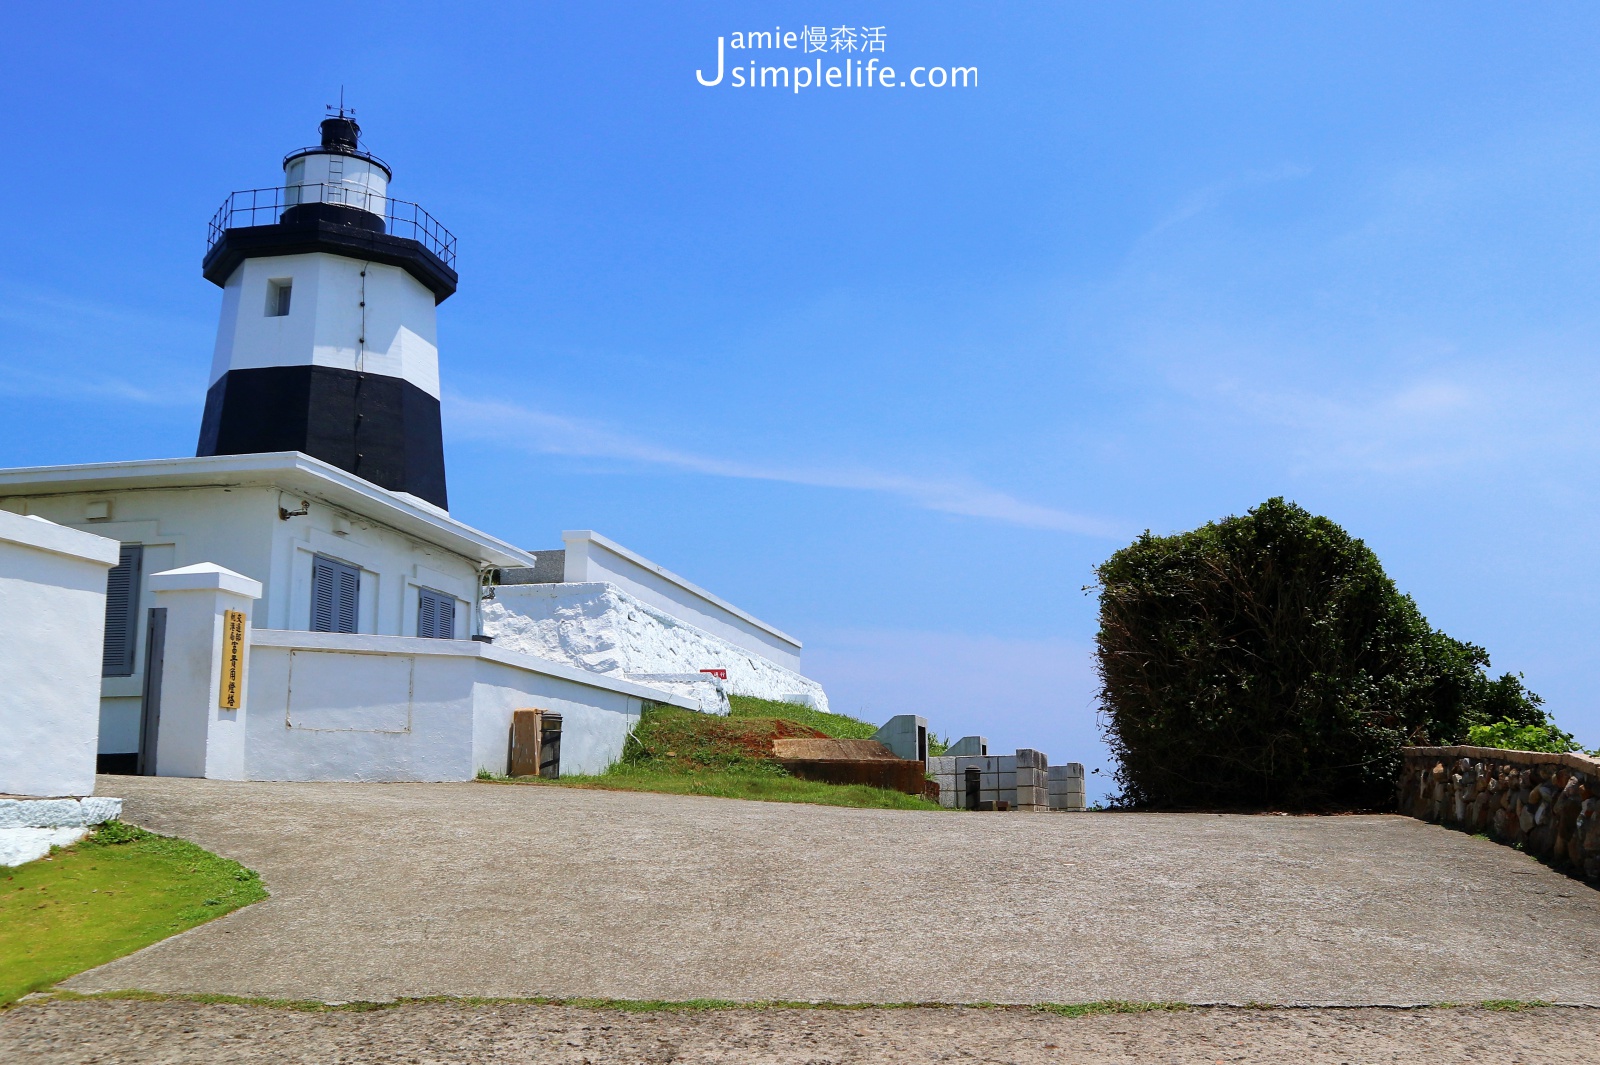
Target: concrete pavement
<point x="398" y="890"/>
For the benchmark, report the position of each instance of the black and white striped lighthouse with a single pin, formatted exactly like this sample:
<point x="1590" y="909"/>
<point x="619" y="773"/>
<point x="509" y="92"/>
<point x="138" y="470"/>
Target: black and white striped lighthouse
<point x="328" y="338"/>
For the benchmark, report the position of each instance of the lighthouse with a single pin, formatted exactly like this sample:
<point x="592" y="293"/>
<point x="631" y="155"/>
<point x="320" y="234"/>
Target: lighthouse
<point x="327" y="342"/>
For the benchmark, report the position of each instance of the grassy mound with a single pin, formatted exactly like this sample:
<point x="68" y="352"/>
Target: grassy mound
<point x="120" y="889"/>
<point x="682" y="741"/>
<point x="835" y="726"/>
<point x="687" y="753"/>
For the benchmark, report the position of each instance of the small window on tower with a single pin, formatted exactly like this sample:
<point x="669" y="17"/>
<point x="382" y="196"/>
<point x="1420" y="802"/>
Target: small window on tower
<point x="278" y="291"/>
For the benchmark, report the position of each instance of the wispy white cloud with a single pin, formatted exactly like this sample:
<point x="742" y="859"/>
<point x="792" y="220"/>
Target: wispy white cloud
<point x="25" y="384"/>
<point x="545" y="433"/>
<point x="1403" y="428"/>
<point x="58" y="346"/>
<point x="1211" y="196"/>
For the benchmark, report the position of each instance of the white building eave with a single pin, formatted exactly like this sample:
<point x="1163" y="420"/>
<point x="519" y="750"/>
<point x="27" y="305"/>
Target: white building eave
<point x="289" y="471"/>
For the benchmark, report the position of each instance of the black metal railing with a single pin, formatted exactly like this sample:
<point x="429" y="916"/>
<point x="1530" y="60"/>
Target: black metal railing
<point x="266" y="207"/>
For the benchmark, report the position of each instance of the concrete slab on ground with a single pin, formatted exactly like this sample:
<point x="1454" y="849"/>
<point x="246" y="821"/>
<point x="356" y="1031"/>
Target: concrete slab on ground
<point x="177" y="1033"/>
<point x="400" y="890"/>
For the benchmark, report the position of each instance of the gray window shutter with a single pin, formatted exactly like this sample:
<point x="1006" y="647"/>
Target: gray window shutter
<point x="335" y="595"/>
<point x="122" y="612"/>
<point x="349" y="594"/>
<point x="436" y="614"/>
<point x="426" y="614"/>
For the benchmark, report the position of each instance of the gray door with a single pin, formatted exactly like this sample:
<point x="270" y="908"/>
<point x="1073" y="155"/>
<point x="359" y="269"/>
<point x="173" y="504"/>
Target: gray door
<point x="155" y="652"/>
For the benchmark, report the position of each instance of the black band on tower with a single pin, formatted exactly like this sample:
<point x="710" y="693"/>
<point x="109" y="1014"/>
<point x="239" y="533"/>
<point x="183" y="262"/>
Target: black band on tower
<point x="383" y="429"/>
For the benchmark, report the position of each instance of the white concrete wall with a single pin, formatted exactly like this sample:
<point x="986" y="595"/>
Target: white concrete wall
<point x="240" y="529"/>
<point x="604" y="629"/>
<point x="325" y="706"/>
<point x="326" y="320"/>
<point x="592" y="557"/>
<point x="52" y="632"/>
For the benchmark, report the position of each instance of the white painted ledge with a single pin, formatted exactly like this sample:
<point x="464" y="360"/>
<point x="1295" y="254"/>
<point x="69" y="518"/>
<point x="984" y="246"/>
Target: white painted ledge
<point x="41" y="535"/>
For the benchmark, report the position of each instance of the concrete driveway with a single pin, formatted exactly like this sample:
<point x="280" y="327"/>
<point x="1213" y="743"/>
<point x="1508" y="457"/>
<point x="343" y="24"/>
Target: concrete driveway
<point x="391" y="890"/>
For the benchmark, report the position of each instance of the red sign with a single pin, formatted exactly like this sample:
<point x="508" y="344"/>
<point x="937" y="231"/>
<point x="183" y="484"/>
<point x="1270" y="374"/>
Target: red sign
<point x="720" y="674"/>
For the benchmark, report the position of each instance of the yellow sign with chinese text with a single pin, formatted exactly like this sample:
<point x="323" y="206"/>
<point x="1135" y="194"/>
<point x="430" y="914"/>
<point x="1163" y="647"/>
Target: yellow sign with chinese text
<point x="232" y="660"/>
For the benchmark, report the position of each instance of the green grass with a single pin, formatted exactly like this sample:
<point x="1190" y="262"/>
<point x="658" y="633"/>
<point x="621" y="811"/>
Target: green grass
<point x="682" y="752"/>
<point x="776" y="786"/>
<point x="839" y="726"/>
<point x="121" y="889"/>
<point x="1089" y="1009"/>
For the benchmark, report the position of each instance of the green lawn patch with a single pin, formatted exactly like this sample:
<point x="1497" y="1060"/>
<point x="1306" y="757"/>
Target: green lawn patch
<point x="120" y="889"/>
<point x="836" y="726"/>
<point x="776" y="786"/>
<point x="687" y="753"/>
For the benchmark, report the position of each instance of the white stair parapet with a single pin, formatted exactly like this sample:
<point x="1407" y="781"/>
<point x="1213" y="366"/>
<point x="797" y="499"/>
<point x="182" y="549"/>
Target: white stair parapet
<point x="705" y="688"/>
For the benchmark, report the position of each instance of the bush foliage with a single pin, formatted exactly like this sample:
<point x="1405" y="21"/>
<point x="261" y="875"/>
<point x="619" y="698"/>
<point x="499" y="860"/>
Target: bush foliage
<point x="1512" y="735"/>
<point x="1267" y="661"/>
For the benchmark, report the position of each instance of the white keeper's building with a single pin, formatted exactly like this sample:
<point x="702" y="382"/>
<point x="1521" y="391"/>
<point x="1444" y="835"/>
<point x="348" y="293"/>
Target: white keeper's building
<point x="386" y="640"/>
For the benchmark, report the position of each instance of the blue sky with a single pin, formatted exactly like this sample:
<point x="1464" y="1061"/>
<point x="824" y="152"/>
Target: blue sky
<point x="894" y="368"/>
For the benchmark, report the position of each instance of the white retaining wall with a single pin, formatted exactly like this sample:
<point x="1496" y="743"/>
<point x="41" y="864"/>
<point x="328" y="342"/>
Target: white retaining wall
<point x="331" y="706"/>
<point x="604" y="629"/>
<point x="52" y="634"/>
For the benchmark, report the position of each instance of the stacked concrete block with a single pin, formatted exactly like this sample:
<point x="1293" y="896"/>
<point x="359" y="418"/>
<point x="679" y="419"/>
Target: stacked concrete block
<point x="1031" y="782"/>
<point x="1020" y="780"/>
<point x="905" y="735"/>
<point x="943" y="771"/>
<point x="1067" y="790"/>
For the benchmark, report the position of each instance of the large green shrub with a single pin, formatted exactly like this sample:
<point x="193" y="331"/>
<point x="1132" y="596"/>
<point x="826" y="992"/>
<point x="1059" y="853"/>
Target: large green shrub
<point x="1510" y="735"/>
<point x="1268" y="661"/>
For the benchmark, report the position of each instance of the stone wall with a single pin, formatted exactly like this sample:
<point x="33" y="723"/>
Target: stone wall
<point x="1548" y="804"/>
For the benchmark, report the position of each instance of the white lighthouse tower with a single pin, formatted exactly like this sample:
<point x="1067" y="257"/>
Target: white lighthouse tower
<point x="327" y="342"/>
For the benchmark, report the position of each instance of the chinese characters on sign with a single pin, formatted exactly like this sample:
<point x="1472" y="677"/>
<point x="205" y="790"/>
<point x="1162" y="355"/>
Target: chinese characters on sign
<point x="232" y="660"/>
